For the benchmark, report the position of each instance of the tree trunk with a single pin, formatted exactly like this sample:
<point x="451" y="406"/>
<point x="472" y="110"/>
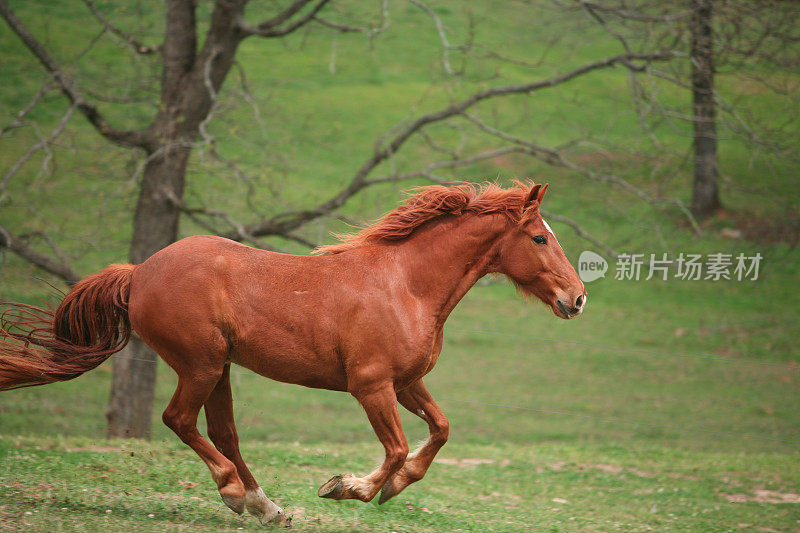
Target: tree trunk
<point x="189" y="84"/>
<point x="705" y="197"/>
<point x="155" y="226"/>
<point x="130" y="408"/>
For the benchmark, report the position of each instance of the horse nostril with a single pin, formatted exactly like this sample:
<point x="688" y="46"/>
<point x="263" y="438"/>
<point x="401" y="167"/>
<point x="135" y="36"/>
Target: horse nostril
<point x="579" y="301"/>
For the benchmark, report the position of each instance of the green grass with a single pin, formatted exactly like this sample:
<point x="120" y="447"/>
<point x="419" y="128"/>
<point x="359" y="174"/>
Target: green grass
<point x="597" y="424"/>
<point x="628" y="434"/>
<point x="543" y="487"/>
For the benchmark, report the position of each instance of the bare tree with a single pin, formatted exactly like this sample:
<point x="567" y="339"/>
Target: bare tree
<point x="738" y="38"/>
<point x="192" y="77"/>
<point x="190" y="80"/>
<point x="705" y="194"/>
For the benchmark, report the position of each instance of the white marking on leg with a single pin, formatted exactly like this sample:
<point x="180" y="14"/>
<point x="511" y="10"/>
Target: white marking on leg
<point x="420" y="446"/>
<point x="363" y="486"/>
<point x="260" y="506"/>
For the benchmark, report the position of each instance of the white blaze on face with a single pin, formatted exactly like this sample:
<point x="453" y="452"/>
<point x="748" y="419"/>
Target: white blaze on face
<point x="546" y="225"/>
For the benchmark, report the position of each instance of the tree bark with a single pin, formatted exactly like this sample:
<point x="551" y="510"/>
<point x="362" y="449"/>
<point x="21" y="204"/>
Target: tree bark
<point x="705" y="194"/>
<point x="130" y="407"/>
<point x="155" y="226"/>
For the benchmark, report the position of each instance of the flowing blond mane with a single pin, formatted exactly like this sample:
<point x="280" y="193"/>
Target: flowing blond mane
<point x="428" y="203"/>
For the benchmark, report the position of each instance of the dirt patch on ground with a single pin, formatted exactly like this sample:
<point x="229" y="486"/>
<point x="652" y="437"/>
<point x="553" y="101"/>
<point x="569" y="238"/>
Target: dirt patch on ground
<point x="615" y="469"/>
<point x="611" y="469"/>
<point x="299" y="516"/>
<point x="762" y="496"/>
<point x="782" y="227"/>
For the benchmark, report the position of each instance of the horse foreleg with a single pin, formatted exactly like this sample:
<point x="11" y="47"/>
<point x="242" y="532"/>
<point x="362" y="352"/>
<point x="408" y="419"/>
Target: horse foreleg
<point x="418" y="400"/>
<point x="222" y="432"/>
<point x="181" y="417"/>
<point x="381" y="407"/>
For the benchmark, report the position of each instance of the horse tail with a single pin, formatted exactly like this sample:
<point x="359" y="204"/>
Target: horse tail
<point x="40" y="346"/>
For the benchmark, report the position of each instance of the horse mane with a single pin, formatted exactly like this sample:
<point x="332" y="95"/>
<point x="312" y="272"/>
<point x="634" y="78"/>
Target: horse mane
<point x="433" y="201"/>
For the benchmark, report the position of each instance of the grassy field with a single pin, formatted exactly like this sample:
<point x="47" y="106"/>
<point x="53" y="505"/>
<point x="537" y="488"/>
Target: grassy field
<point x="495" y="487"/>
<point x="668" y="406"/>
<point x="622" y="433"/>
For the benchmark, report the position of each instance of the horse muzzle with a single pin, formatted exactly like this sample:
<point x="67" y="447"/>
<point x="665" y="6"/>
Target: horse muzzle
<point x="567" y="310"/>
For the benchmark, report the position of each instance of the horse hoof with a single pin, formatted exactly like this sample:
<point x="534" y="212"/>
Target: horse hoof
<point x="263" y="508"/>
<point x="388" y="492"/>
<point x="333" y="488"/>
<point x="235" y="503"/>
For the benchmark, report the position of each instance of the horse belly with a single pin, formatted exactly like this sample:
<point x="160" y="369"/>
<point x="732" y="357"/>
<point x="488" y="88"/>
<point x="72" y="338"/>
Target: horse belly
<point x="290" y="359"/>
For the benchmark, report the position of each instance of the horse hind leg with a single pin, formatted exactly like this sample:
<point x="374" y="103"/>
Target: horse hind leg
<point x="222" y="432"/>
<point x="194" y="387"/>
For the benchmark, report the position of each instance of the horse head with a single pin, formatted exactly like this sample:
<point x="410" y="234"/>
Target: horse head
<point x="530" y="255"/>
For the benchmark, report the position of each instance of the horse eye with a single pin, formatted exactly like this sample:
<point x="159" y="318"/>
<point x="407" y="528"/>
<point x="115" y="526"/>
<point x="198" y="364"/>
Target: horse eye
<point x="539" y="239"/>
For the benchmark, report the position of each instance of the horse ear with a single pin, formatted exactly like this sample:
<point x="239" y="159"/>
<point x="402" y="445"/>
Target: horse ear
<point x="533" y="195"/>
<point x="540" y="194"/>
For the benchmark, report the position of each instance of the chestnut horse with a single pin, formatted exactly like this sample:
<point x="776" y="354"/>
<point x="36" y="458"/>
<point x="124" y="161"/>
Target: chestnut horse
<point x="363" y="316"/>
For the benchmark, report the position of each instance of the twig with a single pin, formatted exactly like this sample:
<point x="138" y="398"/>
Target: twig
<point x="58" y="267"/>
<point x="36" y="147"/>
<point x="212" y="95"/>
<point x="44" y="88"/>
<point x="371" y="31"/>
<point x="272" y="27"/>
<point x="192" y="212"/>
<point x="555" y="157"/>
<point x="446" y="46"/>
<point x="126" y="37"/>
<point x="582" y="233"/>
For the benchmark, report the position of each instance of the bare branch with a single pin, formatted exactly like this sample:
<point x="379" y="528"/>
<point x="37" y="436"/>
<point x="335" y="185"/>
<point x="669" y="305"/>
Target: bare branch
<point x="446" y="46"/>
<point x="43" y="143"/>
<point x="582" y="233"/>
<point x="300" y="240"/>
<point x="739" y="124"/>
<point x="126" y="37"/>
<point x="17" y="122"/>
<point x="388" y="145"/>
<point x="212" y="95"/>
<point x="623" y="13"/>
<point x="385" y="21"/>
<point x="556" y="158"/>
<point x="193" y="212"/>
<point x="132" y="138"/>
<point x="428" y="174"/>
<point x="271" y="27"/>
<point x="250" y="99"/>
<point x="371" y="31"/>
<point x="342" y="28"/>
<point x="58" y="267"/>
<point x="592" y="10"/>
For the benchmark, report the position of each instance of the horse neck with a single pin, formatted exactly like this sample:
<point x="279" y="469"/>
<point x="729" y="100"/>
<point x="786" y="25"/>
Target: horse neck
<point x="444" y="260"/>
